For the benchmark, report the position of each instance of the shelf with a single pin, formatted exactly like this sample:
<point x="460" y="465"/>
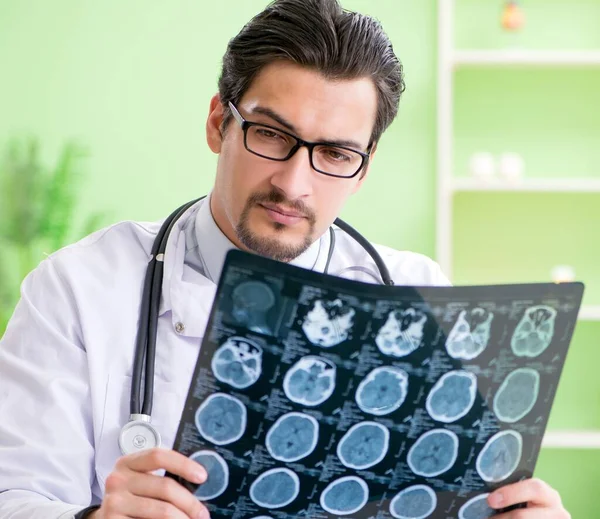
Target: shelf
<point x="589" y="313"/>
<point x="532" y="185"/>
<point x="525" y="57"/>
<point x="571" y="440"/>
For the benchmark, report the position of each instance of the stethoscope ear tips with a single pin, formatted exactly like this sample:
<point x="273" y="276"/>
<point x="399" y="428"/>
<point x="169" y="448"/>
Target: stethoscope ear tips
<point x="138" y="435"/>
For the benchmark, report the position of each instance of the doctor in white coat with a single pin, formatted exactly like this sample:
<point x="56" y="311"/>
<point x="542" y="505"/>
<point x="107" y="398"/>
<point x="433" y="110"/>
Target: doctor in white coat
<point x="302" y="72"/>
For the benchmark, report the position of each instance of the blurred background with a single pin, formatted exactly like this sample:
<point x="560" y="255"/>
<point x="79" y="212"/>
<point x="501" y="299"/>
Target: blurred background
<point x="492" y="167"/>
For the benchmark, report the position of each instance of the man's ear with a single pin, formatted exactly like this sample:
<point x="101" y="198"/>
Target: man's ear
<point x="214" y="137"/>
<point x="365" y="171"/>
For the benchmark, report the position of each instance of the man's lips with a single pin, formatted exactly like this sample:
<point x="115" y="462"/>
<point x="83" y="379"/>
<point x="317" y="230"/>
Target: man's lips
<point x="283" y="215"/>
<point x="283" y="211"/>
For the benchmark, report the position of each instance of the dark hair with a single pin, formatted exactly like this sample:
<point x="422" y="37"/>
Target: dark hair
<point x="320" y="35"/>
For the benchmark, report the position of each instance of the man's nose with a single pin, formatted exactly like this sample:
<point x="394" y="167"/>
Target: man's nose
<point x="295" y="176"/>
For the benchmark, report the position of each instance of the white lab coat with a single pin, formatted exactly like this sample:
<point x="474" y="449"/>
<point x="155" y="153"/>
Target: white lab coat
<point x="67" y="355"/>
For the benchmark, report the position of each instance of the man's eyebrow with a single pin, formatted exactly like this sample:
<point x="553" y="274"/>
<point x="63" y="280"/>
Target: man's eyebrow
<point x="289" y="126"/>
<point x="275" y="116"/>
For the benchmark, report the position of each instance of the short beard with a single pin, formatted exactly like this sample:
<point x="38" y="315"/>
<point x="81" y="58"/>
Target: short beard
<point x="271" y="247"/>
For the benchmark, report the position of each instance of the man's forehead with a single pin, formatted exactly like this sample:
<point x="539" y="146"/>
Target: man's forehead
<point x="305" y="102"/>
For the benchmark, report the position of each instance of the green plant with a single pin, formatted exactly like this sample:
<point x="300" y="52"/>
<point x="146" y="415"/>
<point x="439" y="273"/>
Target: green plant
<point x="37" y="212"/>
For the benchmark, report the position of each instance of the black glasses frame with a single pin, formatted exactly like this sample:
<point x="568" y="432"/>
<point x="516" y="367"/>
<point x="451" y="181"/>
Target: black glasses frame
<point x="245" y="125"/>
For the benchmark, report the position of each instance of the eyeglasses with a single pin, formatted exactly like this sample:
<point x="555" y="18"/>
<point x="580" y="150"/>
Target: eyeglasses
<point x="275" y="144"/>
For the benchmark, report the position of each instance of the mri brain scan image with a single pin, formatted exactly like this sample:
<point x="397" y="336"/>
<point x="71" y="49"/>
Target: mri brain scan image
<point x="470" y="334"/>
<point x="433" y="453"/>
<point x="328" y="323"/>
<point x="452" y="396"/>
<point x="237" y="362"/>
<point x="364" y="445"/>
<point x="252" y="300"/>
<point x="292" y="437"/>
<point x="218" y="475"/>
<point x="500" y="456"/>
<point x="416" y="502"/>
<point x="476" y="508"/>
<point x="402" y="332"/>
<point x="221" y="419"/>
<point x="382" y="391"/>
<point x="344" y="496"/>
<point x="310" y="381"/>
<point x="517" y="395"/>
<point x="534" y="332"/>
<point x="275" y="488"/>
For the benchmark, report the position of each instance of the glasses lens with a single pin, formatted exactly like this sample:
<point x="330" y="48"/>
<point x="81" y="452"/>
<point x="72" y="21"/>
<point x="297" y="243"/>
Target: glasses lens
<point x="269" y="142"/>
<point x="332" y="160"/>
<point x="336" y="161"/>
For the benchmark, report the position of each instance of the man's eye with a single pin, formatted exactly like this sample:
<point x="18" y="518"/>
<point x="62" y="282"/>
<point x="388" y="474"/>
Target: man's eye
<point x="336" y="155"/>
<point x="268" y="134"/>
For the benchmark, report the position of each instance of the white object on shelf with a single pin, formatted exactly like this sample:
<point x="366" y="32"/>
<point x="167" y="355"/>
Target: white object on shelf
<point x="589" y="313"/>
<point x="525" y="57"/>
<point x="563" y="274"/>
<point x="511" y="166"/>
<point x="571" y="440"/>
<point x="559" y="185"/>
<point x="482" y="165"/>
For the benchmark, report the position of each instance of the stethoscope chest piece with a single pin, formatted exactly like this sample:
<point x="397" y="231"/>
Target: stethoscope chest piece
<point x="138" y="435"/>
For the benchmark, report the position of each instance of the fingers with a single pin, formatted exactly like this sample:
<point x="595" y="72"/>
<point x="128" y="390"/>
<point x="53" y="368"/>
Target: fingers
<point x="534" y="513"/>
<point x="140" y="507"/>
<point x="533" y="491"/>
<point x="132" y="491"/>
<point x="169" y="491"/>
<point x="169" y="460"/>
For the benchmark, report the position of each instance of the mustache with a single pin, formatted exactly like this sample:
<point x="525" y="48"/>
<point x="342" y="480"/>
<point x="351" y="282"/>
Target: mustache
<point x="276" y="197"/>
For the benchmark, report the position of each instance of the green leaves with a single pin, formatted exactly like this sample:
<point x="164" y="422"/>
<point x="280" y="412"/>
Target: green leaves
<point x="37" y="211"/>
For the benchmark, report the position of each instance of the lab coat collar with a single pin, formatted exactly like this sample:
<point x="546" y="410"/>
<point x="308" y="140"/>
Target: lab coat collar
<point x="189" y="300"/>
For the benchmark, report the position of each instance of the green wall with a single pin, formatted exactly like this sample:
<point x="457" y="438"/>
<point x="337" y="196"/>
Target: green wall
<point x="133" y="81"/>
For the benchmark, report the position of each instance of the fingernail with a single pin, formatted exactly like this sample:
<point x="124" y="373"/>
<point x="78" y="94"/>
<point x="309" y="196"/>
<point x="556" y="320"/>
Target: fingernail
<point x="496" y="500"/>
<point x="199" y="476"/>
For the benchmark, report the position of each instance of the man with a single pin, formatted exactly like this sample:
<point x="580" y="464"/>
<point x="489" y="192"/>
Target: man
<point x="301" y="72"/>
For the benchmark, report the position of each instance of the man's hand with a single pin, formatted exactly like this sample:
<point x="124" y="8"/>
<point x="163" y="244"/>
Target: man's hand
<point x="543" y="502"/>
<point x="133" y="492"/>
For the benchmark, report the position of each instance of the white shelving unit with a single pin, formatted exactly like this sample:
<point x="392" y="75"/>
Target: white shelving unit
<point x="529" y="58"/>
<point x="448" y="185"/>
<point x="531" y="185"/>
<point x="571" y="440"/>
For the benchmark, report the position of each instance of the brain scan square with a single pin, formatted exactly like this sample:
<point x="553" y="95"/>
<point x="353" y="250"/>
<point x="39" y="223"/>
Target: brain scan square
<point x="275" y="488"/>
<point x="382" y="391"/>
<point x="217" y="472"/>
<point x="452" y="396"/>
<point x="470" y="334"/>
<point x="402" y="333"/>
<point x="477" y="508"/>
<point x="344" y="496"/>
<point x="500" y="456"/>
<point x="251" y="302"/>
<point x="534" y="332"/>
<point x="328" y="323"/>
<point x="364" y="445"/>
<point x="415" y="502"/>
<point x="292" y="437"/>
<point x="237" y="362"/>
<point x="221" y="419"/>
<point x="310" y="381"/>
<point x="433" y="453"/>
<point x="517" y="395"/>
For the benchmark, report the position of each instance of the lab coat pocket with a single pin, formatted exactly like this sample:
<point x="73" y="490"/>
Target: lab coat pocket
<point x="166" y="414"/>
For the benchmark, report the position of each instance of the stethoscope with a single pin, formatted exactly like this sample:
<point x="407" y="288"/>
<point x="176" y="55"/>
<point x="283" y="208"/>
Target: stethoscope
<point x="138" y="433"/>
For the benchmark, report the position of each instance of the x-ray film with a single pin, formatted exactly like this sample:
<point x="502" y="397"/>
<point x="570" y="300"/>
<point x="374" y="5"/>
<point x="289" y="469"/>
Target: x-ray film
<point x="319" y="397"/>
